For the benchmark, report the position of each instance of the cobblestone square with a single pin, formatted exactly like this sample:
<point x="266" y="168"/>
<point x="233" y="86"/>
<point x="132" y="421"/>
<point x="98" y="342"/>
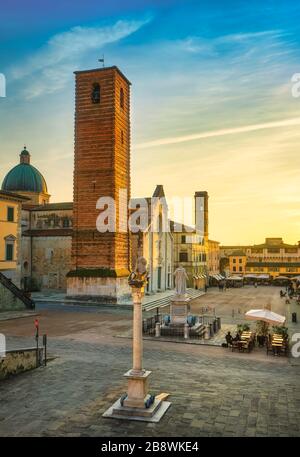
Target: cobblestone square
<point x="213" y="391"/>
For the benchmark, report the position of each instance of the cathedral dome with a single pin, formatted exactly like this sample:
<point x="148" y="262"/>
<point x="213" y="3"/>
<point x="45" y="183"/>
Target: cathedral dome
<point x="24" y="177"/>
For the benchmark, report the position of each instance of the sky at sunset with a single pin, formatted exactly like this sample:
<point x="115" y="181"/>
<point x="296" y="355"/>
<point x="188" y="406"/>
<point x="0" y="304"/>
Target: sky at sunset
<point x="212" y="105"/>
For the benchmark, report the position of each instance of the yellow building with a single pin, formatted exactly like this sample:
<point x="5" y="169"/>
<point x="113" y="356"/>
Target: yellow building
<point x="213" y="257"/>
<point x="192" y="248"/>
<point x="272" y="258"/>
<point x="10" y="234"/>
<point x="237" y="262"/>
<point x="190" y="252"/>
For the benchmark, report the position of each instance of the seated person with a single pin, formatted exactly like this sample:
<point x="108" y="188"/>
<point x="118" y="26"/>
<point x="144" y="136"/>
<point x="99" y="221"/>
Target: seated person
<point x="228" y="338"/>
<point x="237" y="337"/>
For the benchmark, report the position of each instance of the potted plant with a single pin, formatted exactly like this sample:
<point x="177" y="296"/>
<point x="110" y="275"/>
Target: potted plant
<point x="262" y="330"/>
<point x="243" y="328"/>
<point x="280" y="330"/>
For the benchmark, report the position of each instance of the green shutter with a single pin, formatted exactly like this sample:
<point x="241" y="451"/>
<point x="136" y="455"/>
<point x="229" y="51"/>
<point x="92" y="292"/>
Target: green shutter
<point x="10" y="214"/>
<point x="9" y="252"/>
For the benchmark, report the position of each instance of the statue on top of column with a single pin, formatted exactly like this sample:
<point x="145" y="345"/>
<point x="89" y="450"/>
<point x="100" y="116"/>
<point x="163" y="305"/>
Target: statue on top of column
<point x="138" y="277"/>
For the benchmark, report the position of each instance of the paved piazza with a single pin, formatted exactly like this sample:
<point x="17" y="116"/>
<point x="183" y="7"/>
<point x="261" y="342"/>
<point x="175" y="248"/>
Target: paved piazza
<point x="214" y="392"/>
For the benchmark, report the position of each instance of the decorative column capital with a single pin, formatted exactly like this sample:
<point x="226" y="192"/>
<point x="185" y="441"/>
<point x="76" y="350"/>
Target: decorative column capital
<point x="138" y="278"/>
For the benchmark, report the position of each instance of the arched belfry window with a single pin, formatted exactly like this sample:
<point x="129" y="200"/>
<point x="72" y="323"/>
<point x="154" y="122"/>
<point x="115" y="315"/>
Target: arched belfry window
<point x="122" y="98"/>
<point x="96" y="93"/>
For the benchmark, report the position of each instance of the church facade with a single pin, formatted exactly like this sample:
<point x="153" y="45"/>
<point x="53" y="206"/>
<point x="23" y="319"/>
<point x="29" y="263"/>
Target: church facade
<point x="44" y="254"/>
<point x="155" y="244"/>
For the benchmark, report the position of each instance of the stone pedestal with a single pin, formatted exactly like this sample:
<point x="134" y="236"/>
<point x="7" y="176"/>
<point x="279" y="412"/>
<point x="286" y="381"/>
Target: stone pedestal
<point x="137" y="391"/>
<point x="179" y="309"/>
<point x="99" y="289"/>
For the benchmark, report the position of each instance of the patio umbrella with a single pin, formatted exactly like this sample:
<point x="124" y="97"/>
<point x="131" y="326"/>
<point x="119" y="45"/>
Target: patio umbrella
<point x="281" y="277"/>
<point x="264" y="315"/>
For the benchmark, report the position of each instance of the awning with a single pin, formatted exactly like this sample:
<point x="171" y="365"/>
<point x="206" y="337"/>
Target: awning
<point x="217" y="277"/>
<point x="235" y="278"/>
<point x="265" y="276"/>
<point x="265" y="315"/>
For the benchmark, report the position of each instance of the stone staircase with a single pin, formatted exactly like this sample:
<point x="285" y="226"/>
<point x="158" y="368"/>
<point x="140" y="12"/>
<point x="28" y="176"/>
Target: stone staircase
<point x="162" y="302"/>
<point x="17" y="293"/>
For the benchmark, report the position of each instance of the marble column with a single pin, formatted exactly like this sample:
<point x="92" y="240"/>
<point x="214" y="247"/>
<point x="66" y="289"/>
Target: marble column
<point x="137" y="367"/>
<point x="137" y="403"/>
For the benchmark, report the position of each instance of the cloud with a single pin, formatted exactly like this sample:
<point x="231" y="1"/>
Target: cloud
<point x="221" y="132"/>
<point x="213" y="45"/>
<point x="49" y="69"/>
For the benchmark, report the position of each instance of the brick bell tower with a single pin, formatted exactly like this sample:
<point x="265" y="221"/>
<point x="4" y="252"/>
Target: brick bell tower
<point x="100" y="261"/>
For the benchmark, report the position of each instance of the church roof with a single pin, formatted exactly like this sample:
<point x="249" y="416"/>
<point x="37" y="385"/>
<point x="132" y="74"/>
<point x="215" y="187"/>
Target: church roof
<point x="54" y="206"/>
<point x="13" y="196"/>
<point x="24" y="177"/>
<point x="238" y="252"/>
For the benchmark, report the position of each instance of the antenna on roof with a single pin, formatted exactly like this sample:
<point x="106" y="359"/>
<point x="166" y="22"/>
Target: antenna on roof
<point x="102" y="60"/>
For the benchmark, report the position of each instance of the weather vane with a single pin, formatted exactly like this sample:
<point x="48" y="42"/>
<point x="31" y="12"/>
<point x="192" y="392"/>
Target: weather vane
<point x="102" y="60"/>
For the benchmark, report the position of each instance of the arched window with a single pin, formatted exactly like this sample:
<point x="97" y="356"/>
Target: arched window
<point x="122" y="98"/>
<point x="95" y="96"/>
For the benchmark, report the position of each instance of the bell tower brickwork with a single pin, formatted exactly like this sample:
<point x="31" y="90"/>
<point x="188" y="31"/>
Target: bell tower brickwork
<point x="100" y="261"/>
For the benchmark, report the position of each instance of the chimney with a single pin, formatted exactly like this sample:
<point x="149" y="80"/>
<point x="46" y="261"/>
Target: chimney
<point x="201" y="212"/>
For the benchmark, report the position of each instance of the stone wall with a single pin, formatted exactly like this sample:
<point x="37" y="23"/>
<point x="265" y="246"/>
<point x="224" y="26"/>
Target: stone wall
<point x="51" y="261"/>
<point x="51" y="219"/>
<point x="18" y="361"/>
<point x="102" y="290"/>
<point x="8" y="301"/>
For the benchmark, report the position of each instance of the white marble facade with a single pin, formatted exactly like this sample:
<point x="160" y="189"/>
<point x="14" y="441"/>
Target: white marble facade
<point x="156" y="245"/>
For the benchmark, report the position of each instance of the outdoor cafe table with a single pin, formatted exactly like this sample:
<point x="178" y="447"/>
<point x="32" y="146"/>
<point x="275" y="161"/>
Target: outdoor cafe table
<point x="246" y="335"/>
<point x="277" y="338"/>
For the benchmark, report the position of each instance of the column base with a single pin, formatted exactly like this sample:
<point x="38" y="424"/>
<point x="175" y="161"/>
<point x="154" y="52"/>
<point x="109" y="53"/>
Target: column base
<point x="152" y="414"/>
<point x="137" y="391"/>
<point x="133" y="407"/>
